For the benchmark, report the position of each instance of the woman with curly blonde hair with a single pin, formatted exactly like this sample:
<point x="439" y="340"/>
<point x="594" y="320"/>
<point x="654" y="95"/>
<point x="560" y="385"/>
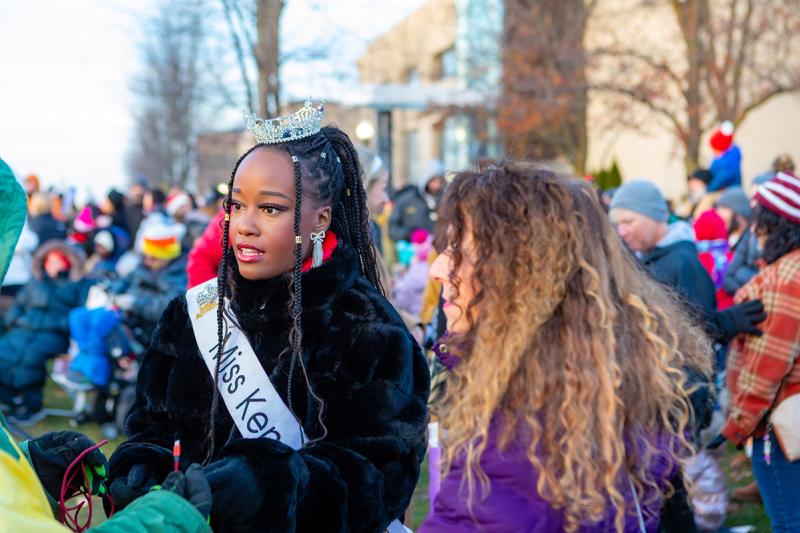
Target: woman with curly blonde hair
<point x="567" y="407"/>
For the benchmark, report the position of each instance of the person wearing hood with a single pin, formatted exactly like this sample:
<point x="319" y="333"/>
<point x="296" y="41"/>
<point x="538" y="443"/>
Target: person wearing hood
<point x="416" y="205"/>
<point x="37" y="327"/>
<point x="668" y="251"/>
<point x="109" y="245"/>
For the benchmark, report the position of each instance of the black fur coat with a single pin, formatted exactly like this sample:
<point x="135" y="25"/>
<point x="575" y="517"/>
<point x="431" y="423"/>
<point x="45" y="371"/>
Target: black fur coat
<point x="361" y="361"/>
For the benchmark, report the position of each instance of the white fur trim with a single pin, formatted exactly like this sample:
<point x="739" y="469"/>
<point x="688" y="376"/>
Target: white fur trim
<point x="726" y="128"/>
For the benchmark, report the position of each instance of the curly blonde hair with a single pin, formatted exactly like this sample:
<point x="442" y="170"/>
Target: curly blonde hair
<point x="569" y="342"/>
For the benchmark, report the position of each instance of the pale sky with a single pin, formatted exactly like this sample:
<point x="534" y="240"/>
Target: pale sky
<point x="66" y="66"/>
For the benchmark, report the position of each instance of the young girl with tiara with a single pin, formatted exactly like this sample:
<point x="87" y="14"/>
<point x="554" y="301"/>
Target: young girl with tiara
<point x="295" y="383"/>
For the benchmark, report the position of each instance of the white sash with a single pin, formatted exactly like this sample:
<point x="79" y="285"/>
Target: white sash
<point x="251" y="399"/>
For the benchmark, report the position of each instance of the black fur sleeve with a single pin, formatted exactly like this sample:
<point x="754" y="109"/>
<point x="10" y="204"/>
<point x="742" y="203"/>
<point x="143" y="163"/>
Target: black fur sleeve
<point x="148" y="425"/>
<point x="362" y="476"/>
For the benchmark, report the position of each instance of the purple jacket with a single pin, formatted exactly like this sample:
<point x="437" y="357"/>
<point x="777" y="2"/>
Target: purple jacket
<point x="513" y="503"/>
<point x="410" y="287"/>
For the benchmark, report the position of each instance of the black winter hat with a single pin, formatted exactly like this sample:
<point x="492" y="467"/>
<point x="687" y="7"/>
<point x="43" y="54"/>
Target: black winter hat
<point x="701" y="174"/>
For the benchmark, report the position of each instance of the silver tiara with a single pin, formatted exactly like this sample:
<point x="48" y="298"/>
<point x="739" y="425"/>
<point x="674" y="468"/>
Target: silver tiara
<point x="303" y="123"/>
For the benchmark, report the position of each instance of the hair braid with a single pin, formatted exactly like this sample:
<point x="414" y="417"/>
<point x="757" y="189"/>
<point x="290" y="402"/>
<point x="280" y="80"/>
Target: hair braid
<point x="296" y="306"/>
<point x="296" y="289"/>
<point x="222" y="276"/>
<point x="354" y="204"/>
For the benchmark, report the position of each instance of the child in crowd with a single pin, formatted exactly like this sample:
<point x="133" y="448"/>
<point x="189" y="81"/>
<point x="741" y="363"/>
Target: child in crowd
<point x="409" y="284"/>
<point x="714" y="252"/>
<point x="37" y="328"/>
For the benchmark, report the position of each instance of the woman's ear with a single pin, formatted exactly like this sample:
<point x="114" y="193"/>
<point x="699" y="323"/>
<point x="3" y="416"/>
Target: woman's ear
<point x="323" y="221"/>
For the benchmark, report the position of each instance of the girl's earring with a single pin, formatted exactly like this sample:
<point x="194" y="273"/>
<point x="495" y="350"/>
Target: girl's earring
<point x="316" y="254"/>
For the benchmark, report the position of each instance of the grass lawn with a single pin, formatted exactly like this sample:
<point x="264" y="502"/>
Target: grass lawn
<point x="743" y="513"/>
<point x="739" y="514"/>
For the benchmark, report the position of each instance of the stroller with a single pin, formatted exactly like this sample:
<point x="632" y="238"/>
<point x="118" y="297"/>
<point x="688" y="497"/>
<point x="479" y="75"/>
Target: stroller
<point x="106" y="395"/>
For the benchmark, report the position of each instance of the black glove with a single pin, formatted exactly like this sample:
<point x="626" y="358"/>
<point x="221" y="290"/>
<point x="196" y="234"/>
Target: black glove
<point x="134" y="468"/>
<point x="237" y="496"/>
<point x="192" y="486"/>
<point x="742" y="318"/>
<point x="718" y="441"/>
<point x="52" y="453"/>
<point x="126" y="489"/>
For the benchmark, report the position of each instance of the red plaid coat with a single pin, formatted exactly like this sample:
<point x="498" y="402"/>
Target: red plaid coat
<point x="763" y="371"/>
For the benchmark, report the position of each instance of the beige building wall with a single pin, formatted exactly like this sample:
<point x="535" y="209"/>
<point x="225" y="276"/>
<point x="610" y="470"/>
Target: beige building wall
<point x="411" y="53"/>
<point x="651" y="151"/>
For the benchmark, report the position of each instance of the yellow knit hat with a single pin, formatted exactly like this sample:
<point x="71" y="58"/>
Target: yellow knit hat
<point x="161" y="242"/>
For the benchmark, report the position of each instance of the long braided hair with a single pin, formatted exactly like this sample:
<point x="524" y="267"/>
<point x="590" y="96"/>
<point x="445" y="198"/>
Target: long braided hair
<point x="326" y="171"/>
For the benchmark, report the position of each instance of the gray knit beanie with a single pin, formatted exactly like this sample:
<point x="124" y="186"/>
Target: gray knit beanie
<point x="642" y="197"/>
<point x="735" y="199"/>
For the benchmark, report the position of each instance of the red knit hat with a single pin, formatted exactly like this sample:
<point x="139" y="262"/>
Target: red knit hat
<point x="781" y="195"/>
<point x="722" y="138"/>
<point x="710" y="227"/>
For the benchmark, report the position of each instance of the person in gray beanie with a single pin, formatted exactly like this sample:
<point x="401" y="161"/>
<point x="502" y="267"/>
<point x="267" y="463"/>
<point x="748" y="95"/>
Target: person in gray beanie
<point x="642" y="197"/>
<point x="668" y="251"/>
<point x="734" y="208"/>
<point x="640" y="214"/>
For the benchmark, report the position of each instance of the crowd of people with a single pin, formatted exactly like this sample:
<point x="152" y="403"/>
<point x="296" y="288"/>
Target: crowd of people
<point x="584" y="354"/>
<point x="130" y="248"/>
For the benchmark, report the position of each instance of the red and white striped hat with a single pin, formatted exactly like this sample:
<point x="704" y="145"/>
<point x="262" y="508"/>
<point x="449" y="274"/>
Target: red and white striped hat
<point x="781" y="195"/>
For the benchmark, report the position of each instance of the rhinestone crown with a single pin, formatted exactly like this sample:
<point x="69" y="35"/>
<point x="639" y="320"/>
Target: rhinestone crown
<point x="302" y="123"/>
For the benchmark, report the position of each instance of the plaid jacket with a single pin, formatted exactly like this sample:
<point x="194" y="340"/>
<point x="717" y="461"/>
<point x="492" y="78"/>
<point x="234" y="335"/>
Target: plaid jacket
<point x="763" y="371"/>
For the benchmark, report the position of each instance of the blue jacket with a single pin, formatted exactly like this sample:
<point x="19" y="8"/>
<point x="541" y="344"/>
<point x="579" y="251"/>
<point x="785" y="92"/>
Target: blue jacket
<point x="37" y="325"/>
<point x="152" y="292"/>
<point x="91" y="328"/>
<point x="726" y="170"/>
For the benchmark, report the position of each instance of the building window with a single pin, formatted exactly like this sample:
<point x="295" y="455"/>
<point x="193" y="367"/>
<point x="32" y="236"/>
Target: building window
<point x="455" y="143"/>
<point x="412" y="157"/>
<point x="448" y="64"/>
<point x="412" y="76"/>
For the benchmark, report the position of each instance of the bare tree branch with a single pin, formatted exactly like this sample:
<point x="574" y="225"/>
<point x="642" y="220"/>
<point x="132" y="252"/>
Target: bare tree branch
<point x="240" y="58"/>
<point x="763" y="99"/>
<point x="170" y="95"/>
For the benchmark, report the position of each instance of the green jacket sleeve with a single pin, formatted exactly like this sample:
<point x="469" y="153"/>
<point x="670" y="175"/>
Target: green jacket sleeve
<point x="13" y="208"/>
<point x="156" y="512"/>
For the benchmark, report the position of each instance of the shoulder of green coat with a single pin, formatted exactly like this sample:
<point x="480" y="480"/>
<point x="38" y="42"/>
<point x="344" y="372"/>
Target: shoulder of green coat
<point x="6" y="442"/>
<point x="156" y="512"/>
<point x="13" y="209"/>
